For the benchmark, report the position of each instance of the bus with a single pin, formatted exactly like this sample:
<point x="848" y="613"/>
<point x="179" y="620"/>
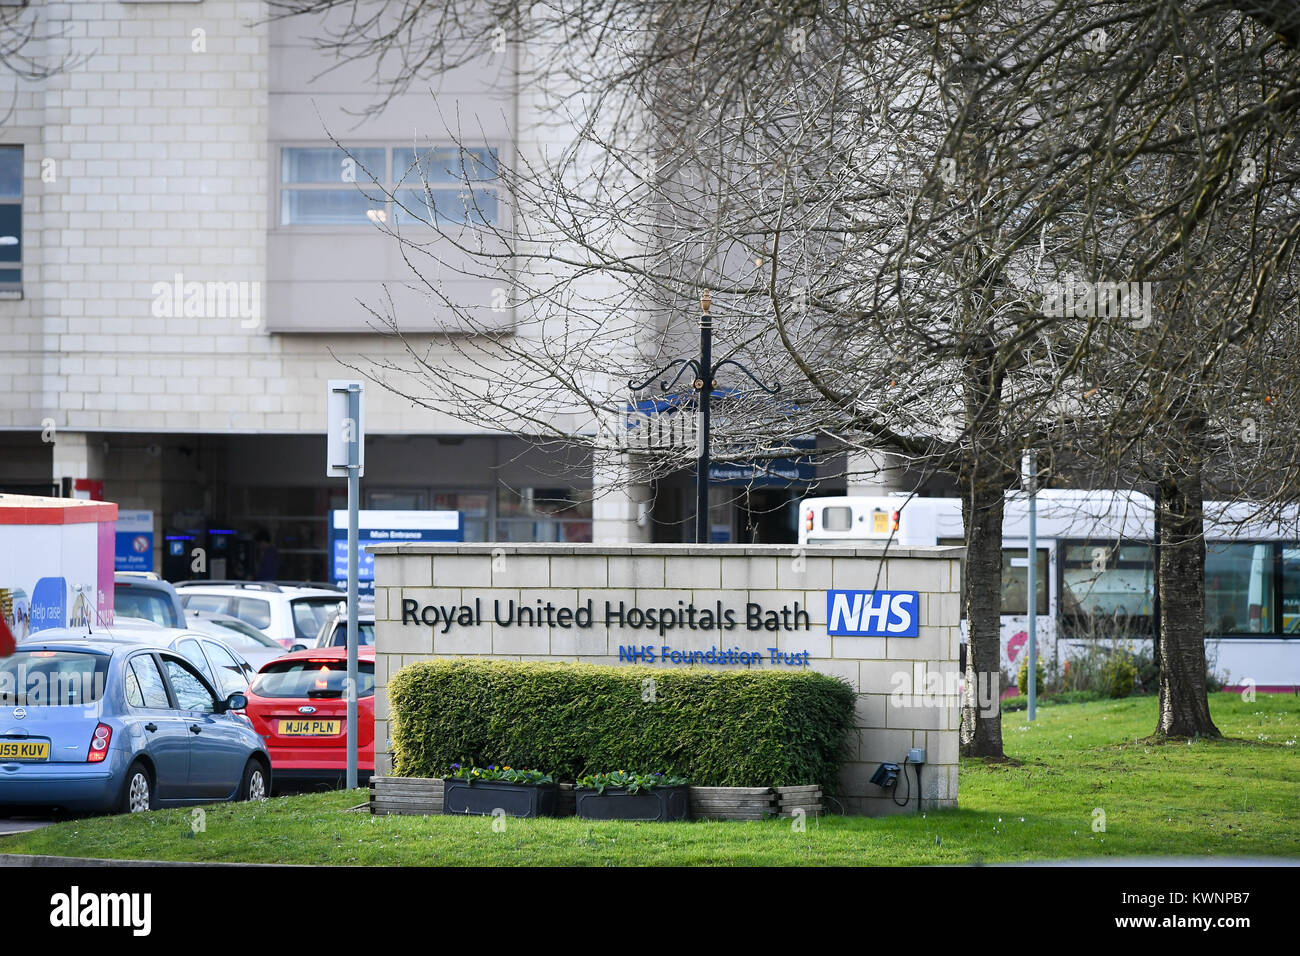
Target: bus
<point x="1095" y="572"/>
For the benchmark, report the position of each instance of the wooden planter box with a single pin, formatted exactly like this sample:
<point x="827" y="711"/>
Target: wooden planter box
<point x="733" y="803"/>
<point x="659" y="804"/>
<point x="405" y="795"/>
<point x="485" y="797"/>
<point x="805" y="798"/>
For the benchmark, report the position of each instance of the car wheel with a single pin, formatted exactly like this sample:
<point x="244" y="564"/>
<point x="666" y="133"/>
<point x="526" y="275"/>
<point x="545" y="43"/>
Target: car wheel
<point x="137" y="792"/>
<point x="255" y="785"/>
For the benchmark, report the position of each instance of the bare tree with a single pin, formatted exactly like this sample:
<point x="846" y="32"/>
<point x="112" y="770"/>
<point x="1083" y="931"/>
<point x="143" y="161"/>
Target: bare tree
<point x="876" y="198"/>
<point x="1185" y="167"/>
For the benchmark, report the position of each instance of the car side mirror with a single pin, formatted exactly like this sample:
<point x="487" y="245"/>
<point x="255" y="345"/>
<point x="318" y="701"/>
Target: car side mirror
<point x="235" y="702"/>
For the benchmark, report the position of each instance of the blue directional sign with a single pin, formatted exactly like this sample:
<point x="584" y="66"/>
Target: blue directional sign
<point x="386" y="527"/>
<point x="133" y="541"/>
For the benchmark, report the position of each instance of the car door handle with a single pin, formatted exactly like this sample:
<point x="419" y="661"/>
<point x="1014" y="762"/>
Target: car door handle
<point x="151" y="727"/>
<point x="195" y="729"/>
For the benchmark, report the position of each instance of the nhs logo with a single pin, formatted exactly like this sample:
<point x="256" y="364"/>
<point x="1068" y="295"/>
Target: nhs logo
<point x="873" y="613"/>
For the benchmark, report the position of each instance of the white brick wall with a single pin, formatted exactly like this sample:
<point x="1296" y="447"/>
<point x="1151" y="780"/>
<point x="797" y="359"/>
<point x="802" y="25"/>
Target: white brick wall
<point x="162" y="168"/>
<point x="902" y="683"/>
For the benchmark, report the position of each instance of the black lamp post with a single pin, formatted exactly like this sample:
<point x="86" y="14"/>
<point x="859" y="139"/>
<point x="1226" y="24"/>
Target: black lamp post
<point x="705" y="370"/>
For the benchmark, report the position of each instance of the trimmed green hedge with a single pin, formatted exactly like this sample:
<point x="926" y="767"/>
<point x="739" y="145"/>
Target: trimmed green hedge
<point x="717" y="728"/>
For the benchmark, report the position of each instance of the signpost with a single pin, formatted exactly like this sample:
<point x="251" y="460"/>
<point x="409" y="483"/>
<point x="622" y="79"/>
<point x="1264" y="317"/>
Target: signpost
<point x="133" y="541"/>
<point x="345" y="457"/>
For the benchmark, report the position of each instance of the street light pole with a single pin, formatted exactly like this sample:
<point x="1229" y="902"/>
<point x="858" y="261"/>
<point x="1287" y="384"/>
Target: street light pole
<point x="354" y="475"/>
<point x="706" y="371"/>
<point x="704" y="393"/>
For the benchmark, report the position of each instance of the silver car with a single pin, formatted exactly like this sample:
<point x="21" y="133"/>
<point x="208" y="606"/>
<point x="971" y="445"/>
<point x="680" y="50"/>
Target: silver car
<point x="225" y="669"/>
<point x="239" y="636"/>
<point x="334" y="632"/>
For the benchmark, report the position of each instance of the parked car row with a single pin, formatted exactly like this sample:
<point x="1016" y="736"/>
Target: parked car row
<point x="290" y="614"/>
<point x="151" y="712"/>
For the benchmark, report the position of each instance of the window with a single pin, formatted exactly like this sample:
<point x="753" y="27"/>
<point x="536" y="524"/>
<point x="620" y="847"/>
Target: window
<point x="149" y="688"/>
<point x="329" y="186"/>
<point x="1239" y="589"/>
<point x="245" y="638"/>
<point x="51" y="678"/>
<point x="215" y="603"/>
<point x="473" y="507"/>
<point x="312" y="679"/>
<point x="11" y="222"/>
<point x="190" y="648"/>
<point x="837" y="519"/>
<point x="143" y="603"/>
<point x="365" y="634"/>
<point x="456" y="190"/>
<point x="255" y="612"/>
<point x="310" y="615"/>
<point x="1291" y="589"/>
<point x="191" y="693"/>
<point x="1015" y="582"/>
<point x="395" y="500"/>
<point x="230" y="676"/>
<point x="543" y="514"/>
<point x="1106" y="589"/>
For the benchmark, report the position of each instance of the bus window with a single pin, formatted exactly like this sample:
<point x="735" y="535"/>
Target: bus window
<point x="1239" y="588"/>
<point x="1015" y="582"/>
<point x="1106" y="590"/>
<point x="837" y="519"/>
<point x="1291" y="589"/>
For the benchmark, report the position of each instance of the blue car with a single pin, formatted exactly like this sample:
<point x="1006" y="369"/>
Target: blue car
<point x="105" y="724"/>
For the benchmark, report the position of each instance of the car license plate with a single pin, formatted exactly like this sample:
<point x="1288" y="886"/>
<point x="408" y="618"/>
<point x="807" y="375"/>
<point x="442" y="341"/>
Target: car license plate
<point x="23" y="750"/>
<point x="309" y="728"/>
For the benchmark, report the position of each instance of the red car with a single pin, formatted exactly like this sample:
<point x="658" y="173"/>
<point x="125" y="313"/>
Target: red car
<point x="296" y="703"/>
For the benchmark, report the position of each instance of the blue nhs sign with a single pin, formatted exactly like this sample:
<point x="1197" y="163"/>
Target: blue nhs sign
<point x="873" y="613"/>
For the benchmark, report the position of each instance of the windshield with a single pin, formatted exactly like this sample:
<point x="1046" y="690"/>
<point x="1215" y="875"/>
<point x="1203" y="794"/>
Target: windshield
<point x="144" y="603"/>
<point x="254" y="637"/>
<point x="308" y="678"/>
<point x="52" y="678"/>
<point x="310" y="615"/>
<point x="365" y="634"/>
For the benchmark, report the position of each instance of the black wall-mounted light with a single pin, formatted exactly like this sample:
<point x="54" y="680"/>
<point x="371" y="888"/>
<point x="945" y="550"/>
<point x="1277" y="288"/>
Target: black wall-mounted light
<point x="886" y="775"/>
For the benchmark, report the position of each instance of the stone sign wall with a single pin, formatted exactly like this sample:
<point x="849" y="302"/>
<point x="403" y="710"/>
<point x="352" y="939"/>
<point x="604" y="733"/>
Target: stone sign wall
<point x="888" y="623"/>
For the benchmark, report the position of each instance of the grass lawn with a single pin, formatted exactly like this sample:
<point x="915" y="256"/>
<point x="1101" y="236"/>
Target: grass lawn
<point x="1234" y="797"/>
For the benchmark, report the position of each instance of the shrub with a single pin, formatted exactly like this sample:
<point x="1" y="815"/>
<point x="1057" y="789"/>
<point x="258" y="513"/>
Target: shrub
<point x="1022" y="678"/>
<point x="1118" y="676"/>
<point x="718" y="728"/>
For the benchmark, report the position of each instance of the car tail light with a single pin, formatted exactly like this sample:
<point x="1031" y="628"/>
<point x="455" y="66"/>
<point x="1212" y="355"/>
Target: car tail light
<point x="99" y="744"/>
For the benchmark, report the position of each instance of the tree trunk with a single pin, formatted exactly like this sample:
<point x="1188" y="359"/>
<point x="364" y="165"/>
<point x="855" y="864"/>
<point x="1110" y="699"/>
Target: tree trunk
<point x="1184" y="701"/>
<point x="982" y="507"/>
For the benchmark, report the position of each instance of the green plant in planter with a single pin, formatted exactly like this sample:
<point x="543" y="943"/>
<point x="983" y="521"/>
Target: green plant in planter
<point x="631" y="782"/>
<point x="501" y="774"/>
